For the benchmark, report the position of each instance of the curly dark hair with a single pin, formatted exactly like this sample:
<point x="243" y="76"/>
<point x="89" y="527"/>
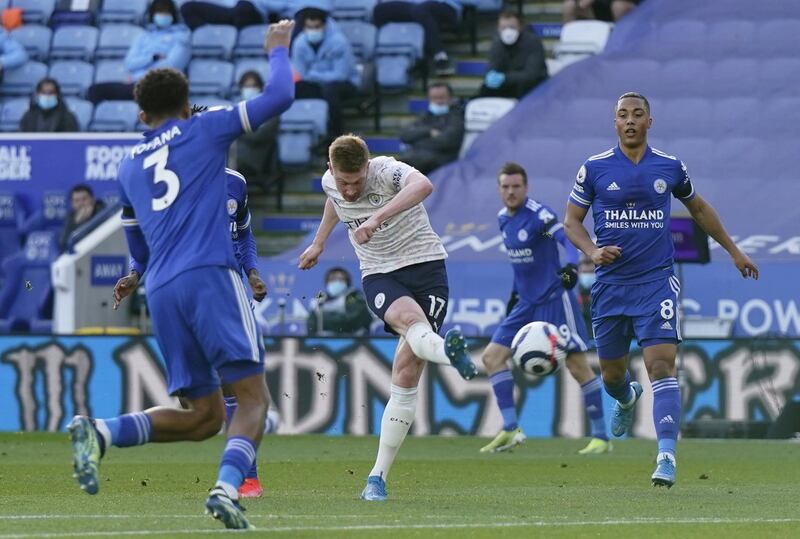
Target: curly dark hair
<point x="162" y="92"/>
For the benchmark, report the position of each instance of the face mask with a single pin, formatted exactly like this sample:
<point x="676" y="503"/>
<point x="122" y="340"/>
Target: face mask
<point x="335" y="288"/>
<point x="162" y="20"/>
<point x="249" y="92"/>
<point x="314" y="36"/>
<point x="509" y="36"/>
<point x="46" y="101"/>
<point x="586" y="280"/>
<point x="438" y="110"/>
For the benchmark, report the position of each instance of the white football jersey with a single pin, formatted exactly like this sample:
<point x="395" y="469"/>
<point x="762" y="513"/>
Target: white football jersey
<point x="405" y="239"/>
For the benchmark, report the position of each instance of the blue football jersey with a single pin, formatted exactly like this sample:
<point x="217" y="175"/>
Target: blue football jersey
<point x="528" y="238"/>
<point x="631" y="209"/>
<point x="244" y="246"/>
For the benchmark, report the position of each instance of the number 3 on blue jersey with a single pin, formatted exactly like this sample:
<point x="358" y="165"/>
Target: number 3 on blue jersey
<point x="163" y="174"/>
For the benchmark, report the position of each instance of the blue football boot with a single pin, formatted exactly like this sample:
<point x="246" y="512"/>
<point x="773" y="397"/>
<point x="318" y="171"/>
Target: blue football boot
<point x="85" y="453"/>
<point x="455" y="347"/>
<point x="622" y="418"/>
<point x="664" y="476"/>
<point x="220" y="506"/>
<point x="375" y="491"/>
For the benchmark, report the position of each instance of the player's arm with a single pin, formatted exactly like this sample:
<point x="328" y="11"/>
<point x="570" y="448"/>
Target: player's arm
<point x="569" y="272"/>
<point x="329" y="220"/>
<point x="707" y="217"/>
<point x="417" y="188"/>
<point x="579" y="236"/>
<point x="140" y="255"/>
<point x="246" y="252"/>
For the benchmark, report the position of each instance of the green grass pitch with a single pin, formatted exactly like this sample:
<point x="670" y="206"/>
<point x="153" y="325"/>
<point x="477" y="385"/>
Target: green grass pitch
<point x="440" y="487"/>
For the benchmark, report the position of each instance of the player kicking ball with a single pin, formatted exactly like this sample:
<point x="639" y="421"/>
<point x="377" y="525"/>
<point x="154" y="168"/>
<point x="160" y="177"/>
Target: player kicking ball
<point x="636" y="294"/>
<point x="542" y="292"/>
<point x="172" y="185"/>
<point x="403" y="274"/>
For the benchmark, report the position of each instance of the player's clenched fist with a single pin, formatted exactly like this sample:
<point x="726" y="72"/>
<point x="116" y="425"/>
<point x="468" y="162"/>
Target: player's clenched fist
<point x="279" y="35"/>
<point x="603" y="256"/>
<point x="125" y="287"/>
<point x="310" y="256"/>
<point x="365" y="232"/>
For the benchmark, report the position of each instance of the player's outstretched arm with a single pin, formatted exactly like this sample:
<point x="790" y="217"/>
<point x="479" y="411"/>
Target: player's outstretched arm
<point x="579" y="236"/>
<point x="416" y="189"/>
<point x="329" y="219"/>
<point x="707" y="217"/>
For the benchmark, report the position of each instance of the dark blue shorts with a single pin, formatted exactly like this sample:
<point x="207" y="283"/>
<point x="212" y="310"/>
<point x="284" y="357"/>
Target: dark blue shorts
<point x="206" y="329"/>
<point x="562" y="311"/>
<point x="425" y="283"/>
<point x="647" y="311"/>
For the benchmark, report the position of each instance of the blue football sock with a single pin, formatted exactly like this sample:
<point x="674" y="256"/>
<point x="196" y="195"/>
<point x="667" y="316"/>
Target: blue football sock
<point x="666" y="413"/>
<point x="593" y="400"/>
<point x="503" y="386"/>
<point x="623" y="392"/>
<point x="238" y="457"/>
<point x="230" y="409"/>
<point x="128" y="430"/>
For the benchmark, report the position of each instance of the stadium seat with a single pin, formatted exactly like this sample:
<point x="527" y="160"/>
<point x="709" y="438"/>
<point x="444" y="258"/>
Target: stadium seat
<point x="51" y="215"/>
<point x="685" y="148"/>
<point x="12" y="113"/>
<point x="782" y="115"/>
<point x="583" y="38"/>
<point x="82" y="110"/>
<point x="774" y="74"/>
<point x="115" y="116"/>
<point x="115" y="40"/>
<point x="725" y="78"/>
<point x="301" y="127"/>
<point x="122" y="11"/>
<point x="353" y="9"/>
<point x="728" y="164"/>
<point x="73" y="76"/>
<point x="250" y="41"/>
<point x="214" y="41"/>
<point x="74" y="42"/>
<point x="36" y="40"/>
<point x="680" y="116"/>
<point x="730" y="38"/>
<point x="35" y="11"/>
<point x="210" y="77"/>
<point x="480" y="114"/>
<point x="730" y="113"/>
<point x="679" y="77"/>
<point x="243" y="65"/>
<point x="400" y="46"/>
<point x="22" y="81"/>
<point x="779" y="37"/>
<point x="693" y="36"/>
<point x="111" y="71"/>
<point x="12" y="216"/>
<point x="362" y="37"/>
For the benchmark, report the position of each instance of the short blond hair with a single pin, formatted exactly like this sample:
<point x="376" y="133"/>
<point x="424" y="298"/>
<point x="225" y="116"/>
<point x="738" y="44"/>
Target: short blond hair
<point x="348" y="153"/>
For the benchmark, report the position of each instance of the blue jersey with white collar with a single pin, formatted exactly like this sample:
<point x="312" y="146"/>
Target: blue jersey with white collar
<point x="631" y="209"/>
<point x="528" y="238"/>
<point x="244" y="244"/>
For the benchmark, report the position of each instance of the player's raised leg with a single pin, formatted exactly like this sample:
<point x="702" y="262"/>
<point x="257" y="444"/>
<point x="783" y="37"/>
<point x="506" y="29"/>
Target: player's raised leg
<point x="495" y="358"/>
<point x="397" y="418"/>
<point x="660" y="362"/>
<point x="592" y="390"/>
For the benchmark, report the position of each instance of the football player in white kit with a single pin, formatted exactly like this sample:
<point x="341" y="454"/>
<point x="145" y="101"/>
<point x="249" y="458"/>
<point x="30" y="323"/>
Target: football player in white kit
<point x="403" y="273"/>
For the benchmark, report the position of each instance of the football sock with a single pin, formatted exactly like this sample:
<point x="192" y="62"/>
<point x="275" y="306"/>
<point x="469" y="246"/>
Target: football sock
<point x="239" y="454"/>
<point x="125" y="431"/>
<point x="397" y="419"/>
<point x="503" y="386"/>
<point x="426" y="343"/>
<point x="593" y="400"/>
<point x="622" y="393"/>
<point x="666" y="413"/>
<point x="230" y="408"/>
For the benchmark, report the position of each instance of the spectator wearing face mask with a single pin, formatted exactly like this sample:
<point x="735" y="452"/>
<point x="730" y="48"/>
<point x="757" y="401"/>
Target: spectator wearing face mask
<point x="256" y="156"/>
<point x="516" y="60"/>
<point x="164" y="43"/>
<point x="48" y="113"/>
<point x="435" y="138"/>
<point x="586" y="279"/>
<point x="341" y="310"/>
<point x="325" y="66"/>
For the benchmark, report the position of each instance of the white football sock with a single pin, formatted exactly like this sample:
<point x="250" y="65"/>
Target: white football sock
<point x="426" y="344"/>
<point x="102" y="428"/>
<point x="397" y="419"/>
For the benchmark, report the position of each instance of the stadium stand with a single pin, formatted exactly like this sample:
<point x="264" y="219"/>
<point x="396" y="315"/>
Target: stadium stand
<point x="30" y="269"/>
<point x="210" y="77"/>
<point x="400" y="46"/>
<point x="214" y="41"/>
<point x="13" y="110"/>
<point x="73" y="76"/>
<point x="122" y="11"/>
<point x="36" y="40"/>
<point x="302" y="126"/>
<point x="82" y="109"/>
<point x="111" y="71"/>
<point x="35" y="11"/>
<point x="114" y="116"/>
<point x="21" y="81"/>
<point x="480" y="114"/>
<point x="74" y="43"/>
<point x="115" y="40"/>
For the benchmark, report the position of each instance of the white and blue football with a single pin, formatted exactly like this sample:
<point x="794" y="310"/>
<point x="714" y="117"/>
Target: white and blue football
<point x="539" y="349"/>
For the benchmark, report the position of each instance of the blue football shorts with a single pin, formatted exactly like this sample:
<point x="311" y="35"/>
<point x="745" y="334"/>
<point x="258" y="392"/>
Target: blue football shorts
<point x="562" y="311"/>
<point x="647" y="311"/>
<point x="205" y="326"/>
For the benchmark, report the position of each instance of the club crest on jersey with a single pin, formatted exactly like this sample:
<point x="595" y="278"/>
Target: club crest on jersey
<point x="660" y="186"/>
<point x="379" y="300"/>
<point x="232" y="206"/>
<point x="581" y="174"/>
<point x="375" y="199"/>
<point x="522" y="235"/>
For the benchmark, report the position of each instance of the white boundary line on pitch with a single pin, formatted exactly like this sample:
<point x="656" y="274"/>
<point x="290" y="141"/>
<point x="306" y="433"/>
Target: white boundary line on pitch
<point x="362" y="527"/>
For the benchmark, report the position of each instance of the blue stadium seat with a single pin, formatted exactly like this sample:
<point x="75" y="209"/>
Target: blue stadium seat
<point x="774" y="73"/>
<point x="111" y="71"/>
<point x="22" y="81"/>
<point x="684" y="148"/>
<point x="213" y="41"/>
<point x="35" y="11"/>
<point x="730" y="38"/>
<point x="728" y="164"/>
<point x="679" y="77"/>
<point x="74" y="42"/>
<point x="729" y="114"/>
<point x="399" y="47"/>
<point x="12" y="113"/>
<point x="301" y="127"/>
<point x="35" y="38"/>
<point x="353" y="9"/>
<point x="782" y="115"/>
<point x="12" y="216"/>
<point x="82" y="110"/>
<point x="73" y="76"/>
<point x="363" y="37"/>
<point x="51" y="215"/>
<point x="725" y="78"/>
<point x="693" y="35"/>
<point x="243" y="65"/>
<point x="250" y="41"/>
<point x="115" y="116"/>
<point x="779" y="37"/>
<point x="680" y="115"/>
<point x="115" y="40"/>
<point x="122" y="11"/>
<point x="210" y="77"/>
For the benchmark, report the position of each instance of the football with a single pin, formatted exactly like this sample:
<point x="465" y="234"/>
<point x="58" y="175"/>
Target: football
<point x="539" y="349"/>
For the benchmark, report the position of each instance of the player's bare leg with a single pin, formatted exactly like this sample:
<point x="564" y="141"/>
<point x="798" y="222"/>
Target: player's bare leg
<point x="397" y="418"/>
<point x="660" y="362"/>
<point x="495" y="358"/>
<point x="405" y="316"/>
<point x="591" y="388"/>
<point x="618" y="384"/>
